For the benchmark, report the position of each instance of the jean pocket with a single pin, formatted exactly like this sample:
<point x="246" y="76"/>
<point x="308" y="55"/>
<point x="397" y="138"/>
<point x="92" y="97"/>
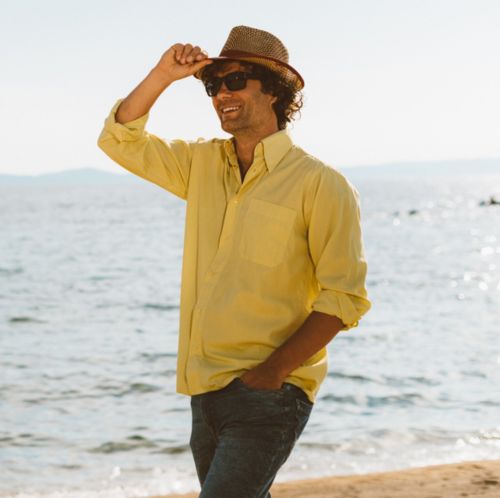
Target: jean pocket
<point x="302" y="414"/>
<point x="251" y="389"/>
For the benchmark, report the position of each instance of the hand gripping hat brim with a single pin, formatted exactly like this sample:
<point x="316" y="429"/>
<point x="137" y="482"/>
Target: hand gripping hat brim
<point x="259" y="47"/>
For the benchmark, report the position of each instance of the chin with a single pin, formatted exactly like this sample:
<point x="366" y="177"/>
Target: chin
<point x="228" y="127"/>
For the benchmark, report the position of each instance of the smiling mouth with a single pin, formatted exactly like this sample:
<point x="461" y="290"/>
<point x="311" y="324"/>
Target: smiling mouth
<point x="229" y="109"/>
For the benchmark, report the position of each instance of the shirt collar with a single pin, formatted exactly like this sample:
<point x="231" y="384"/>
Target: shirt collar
<point x="275" y="147"/>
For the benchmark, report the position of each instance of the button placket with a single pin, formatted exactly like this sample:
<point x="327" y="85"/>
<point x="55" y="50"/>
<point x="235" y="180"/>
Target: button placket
<point x="229" y="219"/>
<point x="225" y="241"/>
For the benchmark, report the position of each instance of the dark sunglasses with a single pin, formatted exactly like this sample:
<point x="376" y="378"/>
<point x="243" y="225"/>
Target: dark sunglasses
<point x="233" y="81"/>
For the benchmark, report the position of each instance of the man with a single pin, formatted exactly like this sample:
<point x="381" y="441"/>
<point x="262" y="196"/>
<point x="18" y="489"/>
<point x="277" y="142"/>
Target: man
<point x="273" y="261"/>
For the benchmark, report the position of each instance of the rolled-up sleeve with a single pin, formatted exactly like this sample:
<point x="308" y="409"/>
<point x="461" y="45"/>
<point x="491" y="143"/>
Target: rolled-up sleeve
<point x="336" y="248"/>
<point x="166" y="164"/>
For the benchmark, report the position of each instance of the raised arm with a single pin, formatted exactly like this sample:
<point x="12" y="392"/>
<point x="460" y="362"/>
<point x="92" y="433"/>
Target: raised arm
<point x="124" y="138"/>
<point x="179" y="61"/>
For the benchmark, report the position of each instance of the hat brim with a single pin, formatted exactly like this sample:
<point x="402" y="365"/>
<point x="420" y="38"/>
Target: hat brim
<point x="287" y="72"/>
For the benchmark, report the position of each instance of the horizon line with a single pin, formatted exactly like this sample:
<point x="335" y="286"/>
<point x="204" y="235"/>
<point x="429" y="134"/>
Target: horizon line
<point x="405" y="162"/>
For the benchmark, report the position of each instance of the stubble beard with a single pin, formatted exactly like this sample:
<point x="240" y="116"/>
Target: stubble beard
<point x="232" y="126"/>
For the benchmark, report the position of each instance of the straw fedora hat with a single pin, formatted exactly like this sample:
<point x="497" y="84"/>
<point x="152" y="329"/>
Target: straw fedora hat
<point x="260" y="47"/>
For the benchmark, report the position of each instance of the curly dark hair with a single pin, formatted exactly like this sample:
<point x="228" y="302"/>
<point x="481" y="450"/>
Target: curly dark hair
<point x="289" y="99"/>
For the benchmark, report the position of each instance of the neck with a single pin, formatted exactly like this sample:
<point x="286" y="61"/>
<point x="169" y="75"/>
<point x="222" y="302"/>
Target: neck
<point x="245" y="147"/>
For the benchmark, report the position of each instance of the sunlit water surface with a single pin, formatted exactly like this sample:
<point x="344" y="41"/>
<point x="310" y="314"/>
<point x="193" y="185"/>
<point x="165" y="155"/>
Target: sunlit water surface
<point x="89" y="305"/>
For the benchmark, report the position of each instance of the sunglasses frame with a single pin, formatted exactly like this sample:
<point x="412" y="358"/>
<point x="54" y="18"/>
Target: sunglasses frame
<point x="234" y="81"/>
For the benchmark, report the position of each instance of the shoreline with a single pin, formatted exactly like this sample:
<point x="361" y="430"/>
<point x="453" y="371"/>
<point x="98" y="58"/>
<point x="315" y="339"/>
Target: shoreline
<point x="463" y="479"/>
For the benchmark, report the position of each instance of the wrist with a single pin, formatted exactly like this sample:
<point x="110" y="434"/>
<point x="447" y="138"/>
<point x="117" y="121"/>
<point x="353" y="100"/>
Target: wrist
<point x="161" y="77"/>
<point x="277" y="367"/>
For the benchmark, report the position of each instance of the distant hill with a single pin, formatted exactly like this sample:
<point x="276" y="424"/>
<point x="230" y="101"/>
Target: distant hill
<point x="459" y="167"/>
<point x="82" y="176"/>
<point x="93" y="176"/>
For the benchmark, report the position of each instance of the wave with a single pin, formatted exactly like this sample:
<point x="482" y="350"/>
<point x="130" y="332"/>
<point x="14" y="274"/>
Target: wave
<point x="137" y="442"/>
<point x="131" y="443"/>
<point x="157" y="356"/>
<point x="160" y="307"/>
<point x="25" y="319"/>
<point x="400" y="400"/>
<point x="27" y="440"/>
<point x="11" y="271"/>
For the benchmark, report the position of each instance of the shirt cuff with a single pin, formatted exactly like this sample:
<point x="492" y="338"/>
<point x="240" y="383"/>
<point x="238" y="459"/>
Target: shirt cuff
<point x="349" y="308"/>
<point x="126" y="132"/>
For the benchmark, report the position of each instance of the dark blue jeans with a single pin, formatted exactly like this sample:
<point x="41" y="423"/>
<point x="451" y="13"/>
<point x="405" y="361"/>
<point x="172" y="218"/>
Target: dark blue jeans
<point x="241" y="437"/>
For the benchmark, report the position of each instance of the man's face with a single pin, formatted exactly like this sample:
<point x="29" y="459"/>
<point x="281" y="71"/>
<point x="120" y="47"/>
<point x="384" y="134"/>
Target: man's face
<point x="247" y="111"/>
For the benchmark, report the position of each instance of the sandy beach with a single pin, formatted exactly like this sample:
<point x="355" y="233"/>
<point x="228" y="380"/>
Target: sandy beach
<point x="467" y="479"/>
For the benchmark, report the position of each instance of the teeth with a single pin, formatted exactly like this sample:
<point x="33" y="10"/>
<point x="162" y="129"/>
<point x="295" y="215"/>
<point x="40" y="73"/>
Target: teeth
<point x="227" y="109"/>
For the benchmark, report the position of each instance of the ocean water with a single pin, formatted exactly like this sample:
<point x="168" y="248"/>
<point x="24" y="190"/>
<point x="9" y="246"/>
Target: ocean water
<point x="89" y="306"/>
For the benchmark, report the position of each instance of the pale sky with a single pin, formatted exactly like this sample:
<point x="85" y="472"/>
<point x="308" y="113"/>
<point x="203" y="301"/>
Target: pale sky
<point x="386" y="80"/>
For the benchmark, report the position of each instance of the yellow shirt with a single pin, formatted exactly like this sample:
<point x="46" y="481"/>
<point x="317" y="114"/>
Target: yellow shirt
<point x="259" y="255"/>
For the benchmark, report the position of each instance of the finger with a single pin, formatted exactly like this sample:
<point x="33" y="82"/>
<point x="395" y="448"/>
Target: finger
<point x="177" y="48"/>
<point x="201" y="56"/>
<point x="193" y="54"/>
<point x="200" y="65"/>
<point x="187" y="50"/>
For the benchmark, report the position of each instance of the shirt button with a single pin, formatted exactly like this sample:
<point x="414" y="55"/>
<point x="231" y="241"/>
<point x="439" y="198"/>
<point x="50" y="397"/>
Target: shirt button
<point x="235" y="201"/>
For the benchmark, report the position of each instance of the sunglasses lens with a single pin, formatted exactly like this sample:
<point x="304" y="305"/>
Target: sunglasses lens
<point x="212" y="86"/>
<point x="236" y="81"/>
<point x="233" y="81"/>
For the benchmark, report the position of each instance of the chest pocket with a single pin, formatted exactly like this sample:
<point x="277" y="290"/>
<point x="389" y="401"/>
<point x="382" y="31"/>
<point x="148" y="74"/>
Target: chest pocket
<point x="266" y="231"/>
